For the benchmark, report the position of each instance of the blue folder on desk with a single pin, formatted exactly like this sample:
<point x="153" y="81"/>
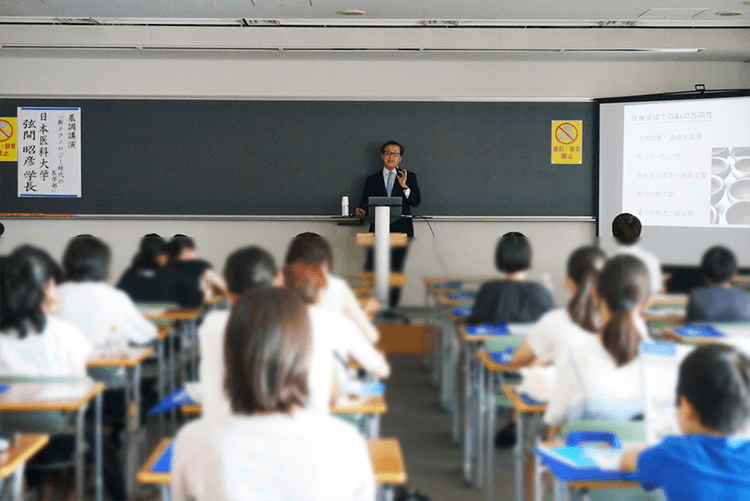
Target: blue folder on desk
<point x="164" y="463"/>
<point x="530" y="401"/>
<point x="462" y="296"/>
<point x="692" y="330"/>
<point x="503" y="357"/>
<point x="461" y="312"/>
<point x="173" y="400"/>
<point x="448" y="285"/>
<point x="4" y="387"/>
<point x="488" y="329"/>
<point x="572" y="464"/>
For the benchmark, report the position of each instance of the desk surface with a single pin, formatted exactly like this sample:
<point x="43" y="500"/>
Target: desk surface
<point x="174" y="314"/>
<point x="21" y="451"/>
<point x="374" y="404"/>
<point x="594" y="484"/>
<point x="518" y="403"/>
<point x="493" y="366"/>
<point x="129" y="357"/>
<point x="48" y="395"/>
<point x="385" y="454"/>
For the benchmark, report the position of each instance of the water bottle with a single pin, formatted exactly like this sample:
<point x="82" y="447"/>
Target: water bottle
<point x="344" y="206"/>
<point x="547" y="281"/>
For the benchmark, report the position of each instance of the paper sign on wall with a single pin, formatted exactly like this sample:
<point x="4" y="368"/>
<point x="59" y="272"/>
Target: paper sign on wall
<point x="49" y="152"/>
<point x="8" y="139"/>
<point x="567" y="137"/>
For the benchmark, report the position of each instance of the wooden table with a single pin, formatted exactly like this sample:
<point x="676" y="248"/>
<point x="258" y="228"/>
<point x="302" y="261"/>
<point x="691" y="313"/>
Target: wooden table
<point x="373" y="407"/>
<point x="386" y="457"/>
<point x="130" y="360"/>
<point x="23" y="449"/>
<point x="40" y="396"/>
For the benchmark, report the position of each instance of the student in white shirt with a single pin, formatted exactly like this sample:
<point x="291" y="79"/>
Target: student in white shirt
<point x="337" y="295"/>
<point x="626" y="228"/>
<point x="35" y="344"/>
<point x="336" y="339"/>
<point x="107" y="316"/>
<point x="271" y="447"/>
<point x="600" y="379"/>
<point x="245" y="269"/>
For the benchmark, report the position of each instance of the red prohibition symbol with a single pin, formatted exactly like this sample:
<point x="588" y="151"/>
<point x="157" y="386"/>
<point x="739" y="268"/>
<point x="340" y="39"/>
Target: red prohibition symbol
<point x="566" y="133"/>
<point x="6" y="130"/>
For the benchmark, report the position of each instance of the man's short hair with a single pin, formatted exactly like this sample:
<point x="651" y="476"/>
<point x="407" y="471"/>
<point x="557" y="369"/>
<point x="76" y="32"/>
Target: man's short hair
<point x="388" y="143"/>
<point x="719" y="264"/>
<point x="86" y="259"/>
<point x="626" y="228"/>
<point x="715" y="379"/>
<point x="513" y="253"/>
<point x="267" y="352"/>
<point x="249" y="268"/>
<point x="310" y="247"/>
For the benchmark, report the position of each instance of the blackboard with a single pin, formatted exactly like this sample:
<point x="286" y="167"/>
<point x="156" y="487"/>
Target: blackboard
<point x="216" y="157"/>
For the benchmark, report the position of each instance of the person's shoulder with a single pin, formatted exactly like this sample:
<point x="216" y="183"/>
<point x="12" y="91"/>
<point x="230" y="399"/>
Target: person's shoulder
<point x="331" y="428"/>
<point x="68" y="334"/>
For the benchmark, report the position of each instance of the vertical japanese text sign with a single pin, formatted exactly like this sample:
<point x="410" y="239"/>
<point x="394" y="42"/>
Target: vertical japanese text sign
<point x="49" y="152"/>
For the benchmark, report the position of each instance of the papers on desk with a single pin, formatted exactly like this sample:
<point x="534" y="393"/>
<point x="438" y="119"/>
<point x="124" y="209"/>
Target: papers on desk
<point x="503" y="357"/>
<point x="488" y="329"/>
<point x="358" y="388"/>
<point x="62" y="392"/>
<point x="164" y="463"/>
<point x="586" y="456"/>
<point x="193" y="390"/>
<point x="173" y="400"/>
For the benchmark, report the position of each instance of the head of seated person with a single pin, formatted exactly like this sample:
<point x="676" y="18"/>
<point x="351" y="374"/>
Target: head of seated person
<point x="152" y="253"/>
<point x="626" y="228"/>
<point x="305" y="278"/>
<point x="248" y="268"/>
<point x="86" y="259"/>
<point x="718" y="266"/>
<point x="181" y="248"/>
<point x="266" y="353"/>
<point x="312" y="248"/>
<point x="622" y="294"/>
<point x="28" y="292"/>
<point x="513" y="254"/>
<point x="713" y="391"/>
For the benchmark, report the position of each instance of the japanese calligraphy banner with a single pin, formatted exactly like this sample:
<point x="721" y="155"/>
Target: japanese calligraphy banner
<point x="49" y="152"/>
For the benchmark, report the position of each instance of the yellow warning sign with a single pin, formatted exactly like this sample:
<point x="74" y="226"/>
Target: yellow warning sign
<point x="8" y="140"/>
<point x="567" y="137"/>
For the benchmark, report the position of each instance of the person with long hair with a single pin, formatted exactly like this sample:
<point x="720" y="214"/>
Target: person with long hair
<point x="273" y="446"/>
<point x="600" y="379"/>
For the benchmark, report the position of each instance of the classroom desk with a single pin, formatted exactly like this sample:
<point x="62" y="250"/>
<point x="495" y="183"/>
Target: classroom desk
<point x="731" y="327"/>
<point x="130" y="361"/>
<point x="527" y="426"/>
<point x="666" y="309"/>
<point x="16" y="456"/>
<point x="372" y="406"/>
<point x="572" y="488"/>
<point x="32" y="396"/>
<point x="386" y="457"/>
<point x="494" y="375"/>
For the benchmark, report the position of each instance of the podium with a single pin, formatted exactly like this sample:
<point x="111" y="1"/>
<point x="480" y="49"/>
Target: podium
<point x="383" y="211"/>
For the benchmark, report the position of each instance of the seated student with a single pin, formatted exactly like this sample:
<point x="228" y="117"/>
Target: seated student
<point x="713" y="403"/>
<point x="148" y="279"/>
<point x="197" y="282"/>
<point x="718" y="301"/>
<point x="246" y="269"/>
<point x="35" y="344"/>
<point x="105" y="315"/>
<point x="626" y="228"/>
<point x="272" y="447"/>
<point x="336" y="339"/>
<point x="513" y="299"/>
<point x="600" y="379"/>
<point x="337" y="296"/>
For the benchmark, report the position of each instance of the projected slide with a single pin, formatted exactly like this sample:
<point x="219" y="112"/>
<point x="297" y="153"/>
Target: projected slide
<point x="687" y="163"/>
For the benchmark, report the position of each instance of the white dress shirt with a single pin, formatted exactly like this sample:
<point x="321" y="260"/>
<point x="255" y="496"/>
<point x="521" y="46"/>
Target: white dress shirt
<point x="60" y="350"/>
<point x="307" y="456"/>
<point x="103" y="313"/>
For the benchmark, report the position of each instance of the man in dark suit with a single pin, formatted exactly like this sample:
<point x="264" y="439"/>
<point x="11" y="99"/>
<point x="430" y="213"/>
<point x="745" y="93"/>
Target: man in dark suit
<point x="395" y="182"/>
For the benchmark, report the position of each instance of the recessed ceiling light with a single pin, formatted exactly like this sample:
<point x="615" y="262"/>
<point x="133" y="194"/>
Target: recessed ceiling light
<point x="727" y="13"/>
<point x="352" y="12"/>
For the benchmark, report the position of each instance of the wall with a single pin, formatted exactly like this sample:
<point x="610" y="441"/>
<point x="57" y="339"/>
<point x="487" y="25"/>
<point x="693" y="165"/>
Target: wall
<point x="459" y="247"/>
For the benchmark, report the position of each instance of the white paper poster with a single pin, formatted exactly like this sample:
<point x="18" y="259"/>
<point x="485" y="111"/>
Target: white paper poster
<point x="49" y="152"/>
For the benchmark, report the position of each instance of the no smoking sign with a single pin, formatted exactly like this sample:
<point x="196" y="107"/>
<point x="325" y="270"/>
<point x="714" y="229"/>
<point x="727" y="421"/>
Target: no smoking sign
<point x="8" y="140"/>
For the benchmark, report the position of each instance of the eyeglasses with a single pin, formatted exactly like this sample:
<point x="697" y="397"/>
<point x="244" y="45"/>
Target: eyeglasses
<point x="391" y="154"/>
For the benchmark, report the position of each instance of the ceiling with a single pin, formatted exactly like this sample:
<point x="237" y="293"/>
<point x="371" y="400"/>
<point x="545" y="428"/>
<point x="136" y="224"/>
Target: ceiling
<point x="609" y="13"/>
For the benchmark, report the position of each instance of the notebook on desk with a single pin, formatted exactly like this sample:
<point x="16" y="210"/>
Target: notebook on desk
<point x="488" y="329"/>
